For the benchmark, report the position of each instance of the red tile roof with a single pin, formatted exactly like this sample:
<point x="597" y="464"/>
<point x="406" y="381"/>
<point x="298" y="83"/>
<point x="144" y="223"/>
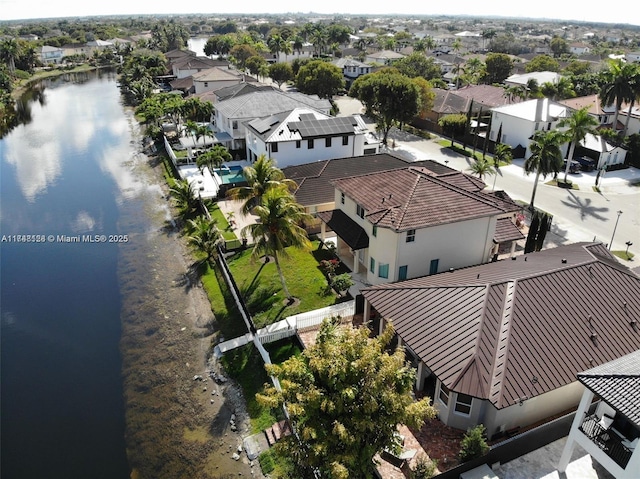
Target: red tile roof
<point x="517" y="328"/>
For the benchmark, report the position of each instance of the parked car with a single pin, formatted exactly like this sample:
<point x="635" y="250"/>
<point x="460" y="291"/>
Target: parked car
<point x="574" y="168"/>
<point x="586" y="163"/>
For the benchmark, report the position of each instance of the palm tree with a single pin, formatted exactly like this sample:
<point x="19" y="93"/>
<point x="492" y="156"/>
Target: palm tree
<point x="213" y="158"/>
<point x="502" y="154"/>
<point x="279" y="227"/>
<point x="546" y="156"/>
<point x="635" y="88"/>
<point x="261" y="177"/>
<point x="618" y="87"/>
<point x="579" y="125"/>
<point x="430" y="43"/>
<point x="184" y="196"/>
<point x="481" y="167"/>
<point x="204" y="236"/>
<point x="9" y="50"/>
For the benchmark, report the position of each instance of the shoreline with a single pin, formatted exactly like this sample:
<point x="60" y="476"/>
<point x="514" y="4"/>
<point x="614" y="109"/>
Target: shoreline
<point x="177" y="425"/>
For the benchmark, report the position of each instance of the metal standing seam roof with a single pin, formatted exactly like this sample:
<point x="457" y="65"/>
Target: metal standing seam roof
<point x="515" y="329"/>
<point x="349" y="231"/>
<point x="618" y="384"/>
<point x="414" y="198"/>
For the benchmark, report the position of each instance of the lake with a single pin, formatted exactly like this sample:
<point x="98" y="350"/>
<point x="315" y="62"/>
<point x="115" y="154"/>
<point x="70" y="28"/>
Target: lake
<point x="64" y="178"/>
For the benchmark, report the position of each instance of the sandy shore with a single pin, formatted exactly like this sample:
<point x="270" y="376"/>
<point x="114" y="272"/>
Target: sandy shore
<point x="176" y="426"/>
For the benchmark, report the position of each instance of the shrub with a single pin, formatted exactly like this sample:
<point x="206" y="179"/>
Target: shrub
<point x="425" y="468"/>
<point x="473" y="444"/>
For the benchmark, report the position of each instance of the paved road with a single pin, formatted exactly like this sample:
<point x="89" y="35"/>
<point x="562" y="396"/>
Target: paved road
<point x="579" y="215"/>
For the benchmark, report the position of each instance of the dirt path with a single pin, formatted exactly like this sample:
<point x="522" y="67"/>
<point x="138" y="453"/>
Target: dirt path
<point x="176" y="426"/>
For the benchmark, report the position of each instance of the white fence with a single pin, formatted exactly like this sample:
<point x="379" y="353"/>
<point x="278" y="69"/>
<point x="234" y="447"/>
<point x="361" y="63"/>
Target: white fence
<point x="289" y="327"/>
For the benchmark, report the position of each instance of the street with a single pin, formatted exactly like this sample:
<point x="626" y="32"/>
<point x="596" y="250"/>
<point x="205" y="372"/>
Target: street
<point x="579" y="215"/>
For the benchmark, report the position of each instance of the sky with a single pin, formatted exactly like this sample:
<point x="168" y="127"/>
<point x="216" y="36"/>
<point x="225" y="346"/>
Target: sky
<point x="551" y="9"/>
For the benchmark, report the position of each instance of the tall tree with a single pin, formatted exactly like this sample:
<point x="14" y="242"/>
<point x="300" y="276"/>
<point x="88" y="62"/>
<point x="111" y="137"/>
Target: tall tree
<point x="453" y="125"/>
<point x="280" y="73"/>
<point x="334" y="390"/>
<point x="618" y="86"/>
<point x="184" y="195"/>
<point x="498" y="66"/>
<point x="320" y="78"/>
<point x="262" y="176"/>
<point x="502" y="154"/>
<point x="390" y="98"/>
<point x="579" y="125"/>
<point x="546" y="156"/>
<point x="279" y="227"/>
<point x="9" y="51"/>
<point x="417" y="65"/>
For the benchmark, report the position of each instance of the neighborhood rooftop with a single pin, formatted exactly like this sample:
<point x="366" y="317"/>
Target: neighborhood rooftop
<point x="516" y="329"/>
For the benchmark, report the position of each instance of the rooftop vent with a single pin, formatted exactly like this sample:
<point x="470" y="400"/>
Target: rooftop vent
<point x="564" y="260"/>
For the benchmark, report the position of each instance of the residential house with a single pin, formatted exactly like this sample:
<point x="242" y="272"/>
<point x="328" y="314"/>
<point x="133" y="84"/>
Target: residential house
<point x="304" y="135"/>
<point x="633" y="117"/>
<point x="216" y="78"/>
<point x="404" y="223"/>
<point x="579" y="48"/>
<point x="518" y="122"/>
<point x="540" y="77"/>
<point x="49" y="54"/>
<point x="188" y="65"/>
<point x="609" y="432"/>
<point x="72" y="49"/>
<point x="384" y="57"/>
<point x="233" y="112"/>
<point x="500" y="344"/>
<point x="316" y="192"/>
<point x="602" y="151"/>
<point x="604" y="115"/>
<point x="633" y="56"/>
<point x="98" y="46"/>
<point x="351" y="68"/>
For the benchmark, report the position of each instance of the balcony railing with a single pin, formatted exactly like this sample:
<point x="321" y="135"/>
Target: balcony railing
<point x="609" y="440"/>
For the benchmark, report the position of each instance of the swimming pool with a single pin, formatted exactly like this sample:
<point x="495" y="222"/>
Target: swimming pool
<point x="230" y="175"/>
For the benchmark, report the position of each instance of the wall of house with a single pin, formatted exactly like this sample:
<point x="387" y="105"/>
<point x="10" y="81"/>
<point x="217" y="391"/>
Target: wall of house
<point x="634" y="123"/>
<point x="202" y="86"/>
<point x="613" y="157"/>
<point x="288" y="154"/>
<point x="515" y="131"/>
<point x="454" y="246"/>
<point x="449" y="416"/>
<point x="532" y="410"/>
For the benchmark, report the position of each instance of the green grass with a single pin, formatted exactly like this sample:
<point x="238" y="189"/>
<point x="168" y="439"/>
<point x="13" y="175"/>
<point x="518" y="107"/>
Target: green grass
<point x="245" y="365"/>
<point x="558" y="183"/>
<point x="223" y="225"/>
<point x="468" y="152"/>
<point x="261" y="287"/>
<point x="623" y="255"/>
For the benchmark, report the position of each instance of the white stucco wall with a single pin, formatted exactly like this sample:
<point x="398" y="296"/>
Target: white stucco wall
<point x="288" y="154"/>
<point x="213" y="85"/>
<point x="533" y="409"/>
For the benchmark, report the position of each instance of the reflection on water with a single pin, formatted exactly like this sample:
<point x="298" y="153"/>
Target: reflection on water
<point x="62" y="400"/>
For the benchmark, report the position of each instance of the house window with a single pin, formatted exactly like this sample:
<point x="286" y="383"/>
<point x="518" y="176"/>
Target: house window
<point x="463" y="404"/>
<point x="383" y="270"/>
<point x="372" y="265"/>
<point x="342" y="198"/>
<point x="327" y="142"/>
<point x="274" y="147"/>
<point x="345" y="140"/>
<point x="433" y="266"/>
<point x="298" y="143"/>
<point x="206" y="84"/>
<point x="443" y="395"/>
<point x="235" y="125"/>
<point x="411" y="236"/>
<point x="360" y="211"/>
<point x="402" y="273"/>
<point x="374" y="230"/>
<point x="310" y="144"/>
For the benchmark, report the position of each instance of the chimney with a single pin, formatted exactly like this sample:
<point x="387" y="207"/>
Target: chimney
<point x="539" y="108"/>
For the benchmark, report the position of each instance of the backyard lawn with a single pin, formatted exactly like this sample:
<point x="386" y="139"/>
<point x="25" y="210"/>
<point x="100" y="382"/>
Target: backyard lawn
<point x="262" y="290"/>
<point x="222" y="223"/>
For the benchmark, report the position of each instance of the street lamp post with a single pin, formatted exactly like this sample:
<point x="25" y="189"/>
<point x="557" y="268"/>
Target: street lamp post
<point x="614" y="228"/>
